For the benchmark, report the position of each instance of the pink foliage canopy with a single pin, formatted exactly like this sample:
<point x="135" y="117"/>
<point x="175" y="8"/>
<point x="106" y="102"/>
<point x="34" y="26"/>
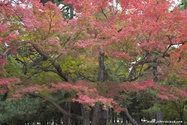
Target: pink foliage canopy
<point x="137" y="27"/>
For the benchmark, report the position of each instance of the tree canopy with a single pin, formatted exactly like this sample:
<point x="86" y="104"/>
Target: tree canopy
<point x="108" y="50"/>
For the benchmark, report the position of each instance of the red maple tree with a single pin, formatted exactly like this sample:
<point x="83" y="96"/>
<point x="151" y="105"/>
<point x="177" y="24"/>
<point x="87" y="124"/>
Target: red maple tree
<point x="138" y="34"/>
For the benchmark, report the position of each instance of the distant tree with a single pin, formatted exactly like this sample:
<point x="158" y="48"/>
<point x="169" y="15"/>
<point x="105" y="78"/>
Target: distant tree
<point x="182" y="4"/>
<point x="67" y="9"/>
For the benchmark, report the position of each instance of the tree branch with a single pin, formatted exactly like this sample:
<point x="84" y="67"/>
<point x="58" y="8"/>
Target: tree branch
<point x="51" y="70"/>
<point x="56" y="65"/>
<point x="86" y="77"/>
<point x="24" y="67"/>
<point x="103" y="12"/>
<point x="132" y="71"/>
<point x="73" y="116"/>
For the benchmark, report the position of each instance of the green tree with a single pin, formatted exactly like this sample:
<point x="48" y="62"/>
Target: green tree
<point x="182" y="4"/>
<point x="67" y="9"/>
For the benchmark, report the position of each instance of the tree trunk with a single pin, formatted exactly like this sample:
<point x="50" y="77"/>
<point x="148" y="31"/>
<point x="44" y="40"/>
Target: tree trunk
<point x="159" y="117"/>
<point x="96" y="114"/>
<point x="86" y="114"/>
<point x="101" y="67"/>
<point x="119" y="120"/>
<point x="71" y="12"/>
<point x="112" y="119"/>
<point x="129" y="117"/>
<point x="97" y="109"/>
<point x="137" y="117"/>
<point x="124" y="120"/>
<point x="66" y="119"/>
<point x="67" y="107"/>
<point x="182" y="118"/>
<point x="137" y="111"/>
<point x="116" y="119"/>
<point x="30" y="123"/>
<point x="104" y="117"/>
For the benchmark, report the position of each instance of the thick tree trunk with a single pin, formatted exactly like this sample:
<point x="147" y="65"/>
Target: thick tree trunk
<point x="67" y="107"/>
<point x="159" y="117"/>
<point x="97" y="109"/>
<point x="85" y="114"/>
<point x="66" y="119"/>
<point x="96" y="114"/>
<point x="104" y="113"/>
<point x="104" y="117"/>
